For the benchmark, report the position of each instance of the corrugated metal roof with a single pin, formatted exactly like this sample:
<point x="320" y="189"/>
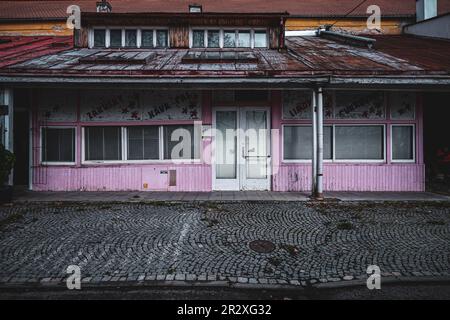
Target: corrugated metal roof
<point x="56" y="9"/>
<point x="306" y="56"/>
<point x="18" y="49"/>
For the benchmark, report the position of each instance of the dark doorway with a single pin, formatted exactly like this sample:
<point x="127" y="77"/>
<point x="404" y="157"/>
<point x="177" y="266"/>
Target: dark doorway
<point x="437" y="141"/>
<point x="21" y="137"/>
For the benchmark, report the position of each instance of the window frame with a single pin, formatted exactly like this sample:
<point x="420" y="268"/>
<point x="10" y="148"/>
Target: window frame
<point x="57" y="163"/>
<point x="138" y="29"/>
<point x="124" y="37"/>
<point x="221" y="37"/>
<point x="305" y="160"/>
<point x="413" y="160"/>
<point x="124" y="146"/>
<point x="333" y="145"/>
<point x="384" y="141"/>
<point x="83" y="146"/>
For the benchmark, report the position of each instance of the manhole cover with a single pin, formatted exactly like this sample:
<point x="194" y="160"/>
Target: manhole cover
<point x="262" y="246"/>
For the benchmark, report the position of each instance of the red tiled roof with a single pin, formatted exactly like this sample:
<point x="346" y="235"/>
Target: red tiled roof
<point x="56" y="9"/>
<point x="19" y="49"/>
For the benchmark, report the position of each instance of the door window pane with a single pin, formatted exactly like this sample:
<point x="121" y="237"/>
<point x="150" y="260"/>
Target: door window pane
<point x="198" y="39"/>
<point x="359" y="142"/>
<point x="103" y="143"/>
<point x="181" y="143"/>
<point x="161" y="38"/>
<point x="130" y="38"/>
<point x="99" y="38"/>
<point x="260" y="39"/>
<point x="143" y="143"/>
<point x="256" y="144"/>
<point x="229" y="39"/>
<point x="226" y="144"/>
<point x="115" y="37"/>
<point x="58" y="145"/>
<point x="402" y="142"/>
<point x="297" y="142"/>
<point x="213" y="39"/>
<point x="244" y="39"/>
<point x="147" y="38"/>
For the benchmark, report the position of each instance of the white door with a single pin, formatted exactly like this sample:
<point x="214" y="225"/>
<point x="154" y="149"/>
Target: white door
<point x="241" y="159"/>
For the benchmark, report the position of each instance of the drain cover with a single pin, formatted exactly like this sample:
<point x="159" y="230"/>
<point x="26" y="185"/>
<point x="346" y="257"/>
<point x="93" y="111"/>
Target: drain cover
<point x="262" y="246"/>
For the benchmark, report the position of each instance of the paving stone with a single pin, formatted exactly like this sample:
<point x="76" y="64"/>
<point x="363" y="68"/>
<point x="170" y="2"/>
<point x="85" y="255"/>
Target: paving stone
<point x="347" y="278"/>
<point x="180" y="277"/>
<point x="242" y="280"/>
<point x="212" y="277"/>
<point x="191" y="277"/>
<point x="170" y="277"/>
<point x="206" y="241"/>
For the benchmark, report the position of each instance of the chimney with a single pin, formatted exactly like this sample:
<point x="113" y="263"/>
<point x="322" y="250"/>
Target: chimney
<point x="426" y="9"/>
<point x="104" y="6"/>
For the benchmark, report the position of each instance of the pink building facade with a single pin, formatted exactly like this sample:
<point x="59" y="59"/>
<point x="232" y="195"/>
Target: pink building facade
<point x="373" y="140"/>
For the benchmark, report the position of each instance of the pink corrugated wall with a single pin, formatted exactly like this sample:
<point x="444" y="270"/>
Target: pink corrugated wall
<point x="197" y="177"/>
<point x="353" y="177"/>
<point x="122" y="178"/>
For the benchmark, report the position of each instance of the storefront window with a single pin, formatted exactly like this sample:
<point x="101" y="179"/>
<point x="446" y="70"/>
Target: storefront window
<point x="58" y="145"/>
<point x="298" y="142"/>
<point x="359" y="142"/>
<point x="143" y="143"/>
<point x="103" y="143"/>
<point x="402" y="142"/>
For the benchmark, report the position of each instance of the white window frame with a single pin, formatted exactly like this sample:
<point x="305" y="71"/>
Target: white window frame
<point x="359" y="160"/>
<point x="83" y="146"/>
<point x="221" y="37"/>
<point x="91" y="37"/>
<point x="122" y="37"/>
<point x="304" y="160"/>
<point x="57" y="163"/>
<point x="124" y="146"/>
<point x="413" y="160"/>
<point x="124" y="40"/>
<point x="138" y="29"/>
<point x="333" y="145"/>
<point x="125" y="143"/>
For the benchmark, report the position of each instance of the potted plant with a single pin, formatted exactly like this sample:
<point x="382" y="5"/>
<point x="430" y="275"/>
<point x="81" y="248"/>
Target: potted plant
<point x="7" y="160"/>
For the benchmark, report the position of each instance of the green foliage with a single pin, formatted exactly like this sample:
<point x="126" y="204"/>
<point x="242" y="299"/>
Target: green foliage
<point x="7" y="160"/>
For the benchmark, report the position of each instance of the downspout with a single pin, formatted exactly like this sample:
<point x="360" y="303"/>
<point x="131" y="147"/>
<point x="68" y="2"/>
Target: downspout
<point x="319" y="187"/>
<point x="314" y="144"/>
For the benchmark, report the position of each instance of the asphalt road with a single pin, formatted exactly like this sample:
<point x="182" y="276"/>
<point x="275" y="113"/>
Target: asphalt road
<point x="419" y="291"/>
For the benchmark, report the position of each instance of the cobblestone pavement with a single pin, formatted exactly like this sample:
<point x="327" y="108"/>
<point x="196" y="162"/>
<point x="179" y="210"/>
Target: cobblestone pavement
<point x="314" y="242"/>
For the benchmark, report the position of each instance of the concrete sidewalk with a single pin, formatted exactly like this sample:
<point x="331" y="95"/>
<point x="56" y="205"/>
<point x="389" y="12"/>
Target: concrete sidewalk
<point x="131" y="196"/>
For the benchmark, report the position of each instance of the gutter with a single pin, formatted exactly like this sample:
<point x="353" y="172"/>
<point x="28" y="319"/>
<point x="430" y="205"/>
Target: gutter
<point x="320" y="79"/>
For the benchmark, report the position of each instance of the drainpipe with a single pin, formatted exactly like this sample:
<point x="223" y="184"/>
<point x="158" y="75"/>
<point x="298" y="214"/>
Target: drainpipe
<point x="9" y="126"/>
<point x="314" y="144"/>
<point x="319" y="187"/>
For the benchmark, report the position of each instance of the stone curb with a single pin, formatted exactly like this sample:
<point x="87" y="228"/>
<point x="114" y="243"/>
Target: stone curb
<point x="59" y="284"/>
<point x="181" y="201"/>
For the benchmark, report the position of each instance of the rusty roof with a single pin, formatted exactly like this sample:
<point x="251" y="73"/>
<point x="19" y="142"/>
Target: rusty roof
<point x="18" y="49"/>
<point x="56" y="9"/>
<point x="306" y="56"/>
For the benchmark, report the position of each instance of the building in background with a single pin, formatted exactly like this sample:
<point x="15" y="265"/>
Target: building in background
<point x="105" y="111"/>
